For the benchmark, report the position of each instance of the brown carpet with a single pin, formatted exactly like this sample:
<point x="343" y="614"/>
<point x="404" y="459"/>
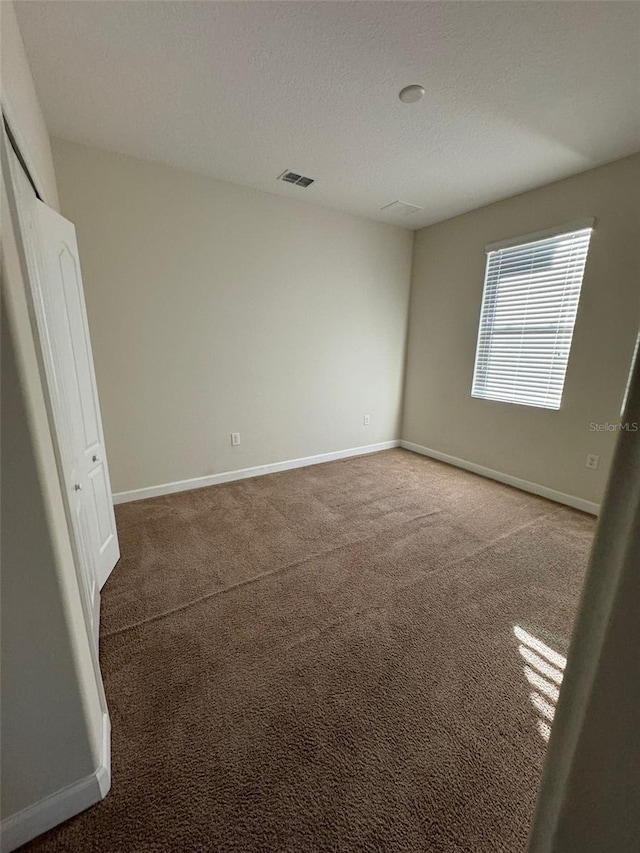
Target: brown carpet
<point x="325" y="660"/>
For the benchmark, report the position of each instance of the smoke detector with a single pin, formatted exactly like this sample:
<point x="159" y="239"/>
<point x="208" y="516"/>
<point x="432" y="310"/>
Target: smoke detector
<point x="402" y="208"/>
<point x="295" y="178"/>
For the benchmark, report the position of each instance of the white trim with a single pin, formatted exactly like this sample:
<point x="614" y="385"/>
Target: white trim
<point x="103" y="773"/>
<point x="523" y="239"/>
<point x="244" y="473"/>
<point x="525" y="485"/>
<point x="61" y="805"/>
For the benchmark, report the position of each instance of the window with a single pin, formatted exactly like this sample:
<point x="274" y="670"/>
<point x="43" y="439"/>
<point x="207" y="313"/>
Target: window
<point x="529" y="307"/>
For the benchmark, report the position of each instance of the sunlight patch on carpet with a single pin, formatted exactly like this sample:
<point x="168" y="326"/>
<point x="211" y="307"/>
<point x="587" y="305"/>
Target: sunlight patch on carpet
<point x="544" y="670"/>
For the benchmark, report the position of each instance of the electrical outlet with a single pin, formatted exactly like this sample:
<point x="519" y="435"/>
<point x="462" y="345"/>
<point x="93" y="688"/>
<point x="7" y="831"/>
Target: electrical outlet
<point x="592" y="460"/>
<point x="367" y="420"/>
<point x="235" y="439"/>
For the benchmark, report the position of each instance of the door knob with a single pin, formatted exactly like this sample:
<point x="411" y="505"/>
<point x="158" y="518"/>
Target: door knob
<point x="95" y="458"/>
<point x="78" y="487"/>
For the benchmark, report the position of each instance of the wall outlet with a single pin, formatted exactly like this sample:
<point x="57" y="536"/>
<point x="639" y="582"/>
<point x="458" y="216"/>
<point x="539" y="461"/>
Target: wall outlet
<point x="235" y="439"/>
<point x="592" y="460"/>
<point x="367" y="420"/>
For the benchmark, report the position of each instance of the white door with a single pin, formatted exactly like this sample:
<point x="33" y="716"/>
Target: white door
<point x="61" y="329"/>
<point x="67" y="331"/>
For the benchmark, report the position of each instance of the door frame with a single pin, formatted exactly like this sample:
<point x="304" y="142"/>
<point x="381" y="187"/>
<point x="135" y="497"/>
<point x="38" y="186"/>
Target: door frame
<point x="59" y="804"/>
<point x="15" y="161"/>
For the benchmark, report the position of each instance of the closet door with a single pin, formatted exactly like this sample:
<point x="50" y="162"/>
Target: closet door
<point x="77" y="415"/>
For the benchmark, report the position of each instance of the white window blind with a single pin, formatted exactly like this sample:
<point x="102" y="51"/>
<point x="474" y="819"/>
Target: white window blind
<point x="529" y="307"/>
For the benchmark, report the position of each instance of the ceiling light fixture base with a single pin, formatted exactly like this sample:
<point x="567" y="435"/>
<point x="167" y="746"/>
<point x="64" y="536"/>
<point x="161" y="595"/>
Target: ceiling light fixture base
<point x="411" y="94"/>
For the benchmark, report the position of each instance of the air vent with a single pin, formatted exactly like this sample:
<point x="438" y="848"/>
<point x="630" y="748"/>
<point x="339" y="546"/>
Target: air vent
<point x="402" y="208"/>
<point x="295" y="178"/>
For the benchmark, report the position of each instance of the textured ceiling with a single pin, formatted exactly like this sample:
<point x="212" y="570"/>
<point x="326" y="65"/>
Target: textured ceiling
<point x="517" y="94"/>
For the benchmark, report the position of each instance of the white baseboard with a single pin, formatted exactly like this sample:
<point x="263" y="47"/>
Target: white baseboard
<point x="103" y="773"/>
<point x="244" y="473"/>
<point x="525" y="485"/>
<point x="61" y="805"/>
<point x="272" y="468"/>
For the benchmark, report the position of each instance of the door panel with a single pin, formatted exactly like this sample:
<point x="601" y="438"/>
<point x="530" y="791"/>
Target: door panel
<point x="81" y="347"/>
<point x="68" y="333"/>
<point x="100" y="507"/>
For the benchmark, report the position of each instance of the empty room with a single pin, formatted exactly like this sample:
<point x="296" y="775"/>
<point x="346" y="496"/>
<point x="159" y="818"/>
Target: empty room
<point x="320" y="426"/>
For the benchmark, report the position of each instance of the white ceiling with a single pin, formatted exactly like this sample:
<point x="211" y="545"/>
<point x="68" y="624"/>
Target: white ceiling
<point x="517" y="94"/>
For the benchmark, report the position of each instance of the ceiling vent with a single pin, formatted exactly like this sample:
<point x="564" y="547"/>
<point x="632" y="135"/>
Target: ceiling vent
<point x="295" y="178"/>
<point x="402" y="208"/>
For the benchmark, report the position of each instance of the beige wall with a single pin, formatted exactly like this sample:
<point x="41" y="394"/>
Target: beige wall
<point x="215" y="308"/>
<point x="544" y="447"/>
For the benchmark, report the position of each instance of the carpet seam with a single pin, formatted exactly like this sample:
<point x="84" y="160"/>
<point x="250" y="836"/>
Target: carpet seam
<point x="297" y="564"/>
<point x="247" y="581"/>
<point x="423" y="578"/>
